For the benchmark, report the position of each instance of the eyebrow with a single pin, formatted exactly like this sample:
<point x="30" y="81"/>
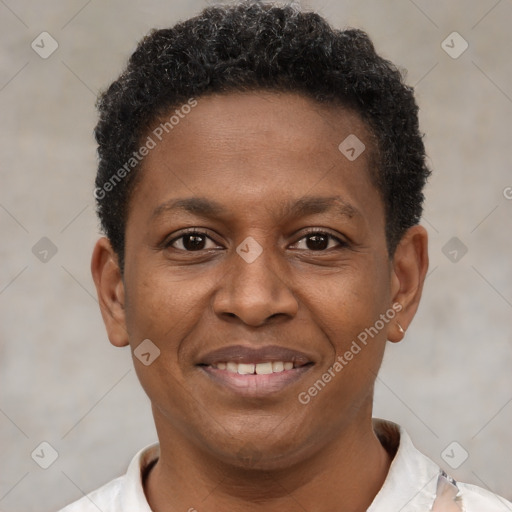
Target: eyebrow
<point x="308" y="205"/>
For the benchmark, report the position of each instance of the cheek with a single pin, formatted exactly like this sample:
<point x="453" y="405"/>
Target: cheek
<point x="348" y="311"/>
<point x="164" y="310"/>
<point x="348" y="302"/>
<point x="158" y="305"/>
<point x="167" y="307"/>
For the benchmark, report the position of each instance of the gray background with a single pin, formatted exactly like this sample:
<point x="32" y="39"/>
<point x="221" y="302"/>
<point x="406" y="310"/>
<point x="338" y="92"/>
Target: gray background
<point x="63" y="383"/>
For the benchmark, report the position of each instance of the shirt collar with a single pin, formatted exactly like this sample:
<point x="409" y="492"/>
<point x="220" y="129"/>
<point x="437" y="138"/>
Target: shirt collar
<point x="132" y="496"/>
<point x="411" y="483"/>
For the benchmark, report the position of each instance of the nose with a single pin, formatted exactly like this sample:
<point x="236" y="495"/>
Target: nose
<point x="256" y="292"/>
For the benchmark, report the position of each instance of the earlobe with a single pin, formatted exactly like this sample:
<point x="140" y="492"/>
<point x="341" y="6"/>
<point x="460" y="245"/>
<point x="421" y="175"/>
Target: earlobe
<point x="110" y="289"/>
<point x="409" y="269"/>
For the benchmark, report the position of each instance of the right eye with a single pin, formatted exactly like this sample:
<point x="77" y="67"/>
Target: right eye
<point x="191" y="241"/>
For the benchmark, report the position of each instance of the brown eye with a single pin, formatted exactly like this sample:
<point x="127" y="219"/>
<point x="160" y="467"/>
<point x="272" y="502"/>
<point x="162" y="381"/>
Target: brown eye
<point x="319" y="241"/>
<point x="192" y="241"/>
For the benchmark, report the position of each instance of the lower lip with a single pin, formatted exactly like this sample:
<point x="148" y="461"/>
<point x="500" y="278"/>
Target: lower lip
<point x="254" y="385"/>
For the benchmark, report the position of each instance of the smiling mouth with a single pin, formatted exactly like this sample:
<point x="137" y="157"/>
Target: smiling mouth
<point x="254" y="372"/>
<point x="255" y="380"/>
<point x="263" y="368"/>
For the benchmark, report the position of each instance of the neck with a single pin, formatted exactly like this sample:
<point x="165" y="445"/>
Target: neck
<point x="344" y="475"/>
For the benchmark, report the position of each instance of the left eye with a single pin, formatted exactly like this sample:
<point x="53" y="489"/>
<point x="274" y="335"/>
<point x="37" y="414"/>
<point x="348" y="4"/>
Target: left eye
<point x="319" y="241"/>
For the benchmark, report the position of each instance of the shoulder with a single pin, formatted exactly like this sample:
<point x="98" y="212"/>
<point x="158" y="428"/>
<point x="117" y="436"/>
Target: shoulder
<point x="416" y="483"/>
<point x="125" y="492"/>
<point x="477" y="499"/>
<point x="105" y="498"/>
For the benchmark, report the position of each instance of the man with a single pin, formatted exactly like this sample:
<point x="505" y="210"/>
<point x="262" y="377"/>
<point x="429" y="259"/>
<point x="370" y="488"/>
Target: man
<point x="260" y="187"/>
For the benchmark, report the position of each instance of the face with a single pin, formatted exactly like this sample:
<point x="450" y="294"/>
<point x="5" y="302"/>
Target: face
<point x="255" y="261"/>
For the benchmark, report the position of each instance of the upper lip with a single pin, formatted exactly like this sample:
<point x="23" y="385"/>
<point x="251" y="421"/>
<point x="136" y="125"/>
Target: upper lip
<point x="248" y="355"/>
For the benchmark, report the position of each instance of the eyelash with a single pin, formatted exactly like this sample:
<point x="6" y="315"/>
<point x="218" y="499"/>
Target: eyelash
<point x="311" y="232"/>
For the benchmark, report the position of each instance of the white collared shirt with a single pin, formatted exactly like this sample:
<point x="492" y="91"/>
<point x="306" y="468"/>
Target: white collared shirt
<point x="414" y="484"/>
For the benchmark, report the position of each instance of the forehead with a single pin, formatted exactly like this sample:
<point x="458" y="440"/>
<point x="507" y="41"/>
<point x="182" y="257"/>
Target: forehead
<point x="288" y="122"/>
<point x="257" y="150"/>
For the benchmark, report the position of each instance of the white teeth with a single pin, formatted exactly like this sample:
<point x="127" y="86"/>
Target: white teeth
<point x="245" y="369"/>
<point x="259" y="369"/>
<point x="232" y="367"/>
<point x="264" y="368"/>
<point x="277" y="366"/>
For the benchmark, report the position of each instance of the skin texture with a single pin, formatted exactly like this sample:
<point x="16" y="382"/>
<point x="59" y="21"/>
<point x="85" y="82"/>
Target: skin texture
<point x="254" y="153"/>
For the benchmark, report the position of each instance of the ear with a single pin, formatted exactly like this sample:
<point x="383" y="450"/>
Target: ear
<point x="408" y="272"/>
<point x="110" y="289"/>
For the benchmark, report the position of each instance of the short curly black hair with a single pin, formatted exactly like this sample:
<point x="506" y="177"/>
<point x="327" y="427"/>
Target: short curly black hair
<point x="253" y="46"/>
